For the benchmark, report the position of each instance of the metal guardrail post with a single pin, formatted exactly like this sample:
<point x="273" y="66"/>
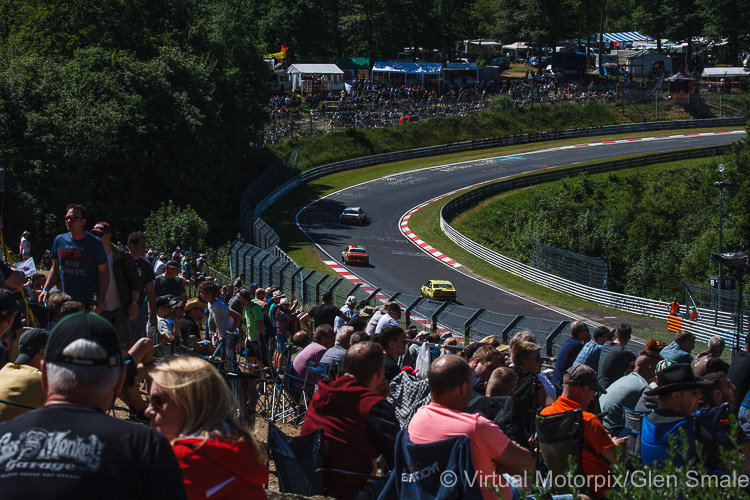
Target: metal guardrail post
<point x="270" y="269"/>
<point x="260" y="266"/>
<point x="372" y="295"/>
<point x="410" y="308"/>
<point x="317" y="289"/>
<point x="393" y="298"/>
<point x="469" y="322"/>
<point x="335" y="284"/>
<point x="434" y="317"/>
<point x="281" y="272"/>
<point x="354" y="289"/>
<point x="295" y="273"/>
<point x="248" y="248"/>
<point x="550" y="342"/>
<point x="505" y="335"/>
<point x="304" y="286"/>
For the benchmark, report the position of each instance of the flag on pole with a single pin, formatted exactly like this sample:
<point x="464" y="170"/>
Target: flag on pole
<point x="27" y="266"/>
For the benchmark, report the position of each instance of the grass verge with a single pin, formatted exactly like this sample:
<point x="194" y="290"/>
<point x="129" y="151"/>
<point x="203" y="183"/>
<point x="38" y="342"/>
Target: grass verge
<point x="281" y="217"/>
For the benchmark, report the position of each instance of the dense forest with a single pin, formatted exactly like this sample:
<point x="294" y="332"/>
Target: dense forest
<point x="654" y="226"/>
<point x="123" y="105"/>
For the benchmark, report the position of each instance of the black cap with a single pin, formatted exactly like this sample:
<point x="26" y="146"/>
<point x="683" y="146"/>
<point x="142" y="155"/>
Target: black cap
<point x="83" y="326"/>
<point x="393" y="307"/>
<point x="583" y="375"/>
<point x="8" y="303"/>
<point x="31" y="342"/>
<point x="677" y="377"/>
<point x="164" y="301"/>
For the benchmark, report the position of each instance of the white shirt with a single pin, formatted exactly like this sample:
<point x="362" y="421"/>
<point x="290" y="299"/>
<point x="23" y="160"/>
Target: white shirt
<point x="385" y="320"/>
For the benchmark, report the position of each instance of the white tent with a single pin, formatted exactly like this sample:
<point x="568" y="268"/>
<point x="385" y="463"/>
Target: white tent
<point x="736" y="72"/>
<point x="330" y="76"/>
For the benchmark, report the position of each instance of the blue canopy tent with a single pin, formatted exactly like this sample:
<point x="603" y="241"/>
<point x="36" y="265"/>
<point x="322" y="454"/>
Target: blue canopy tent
<point x="421" y="71"/>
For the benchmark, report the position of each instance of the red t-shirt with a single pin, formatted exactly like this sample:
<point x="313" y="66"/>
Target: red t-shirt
<point x="594" y="436"/>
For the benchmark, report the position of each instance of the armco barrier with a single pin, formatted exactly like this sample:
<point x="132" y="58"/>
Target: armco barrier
<point x="307" y="286"/>
<point x="284" y="186"/>
<point x="647" y="307"/>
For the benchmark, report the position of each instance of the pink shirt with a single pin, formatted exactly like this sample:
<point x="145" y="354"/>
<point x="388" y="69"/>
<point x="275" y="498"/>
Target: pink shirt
<point x="435" y="422"/>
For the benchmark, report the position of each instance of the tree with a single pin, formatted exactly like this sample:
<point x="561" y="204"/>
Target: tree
<point x="171" y="226"/>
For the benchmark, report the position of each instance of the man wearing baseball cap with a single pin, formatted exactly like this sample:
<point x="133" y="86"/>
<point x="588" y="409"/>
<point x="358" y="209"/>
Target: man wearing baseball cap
<point x="169" y="283"/>
<point x="21" y="382"/>
<point x="580" y="385"/>
<point x="69" y="448"/>
<point x="121" y="302"/>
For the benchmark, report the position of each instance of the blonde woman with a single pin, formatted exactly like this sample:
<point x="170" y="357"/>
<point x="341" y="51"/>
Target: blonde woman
<point x="193" y="407"/>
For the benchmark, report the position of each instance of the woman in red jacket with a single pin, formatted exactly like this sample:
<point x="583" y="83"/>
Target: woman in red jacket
<point x="193" y="407"/>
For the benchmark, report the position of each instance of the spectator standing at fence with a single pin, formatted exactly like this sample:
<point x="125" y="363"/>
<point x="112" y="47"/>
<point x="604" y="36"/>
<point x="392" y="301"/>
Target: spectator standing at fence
<point x="710" y="361"/>
<point x="121" y="303"/>
<point x="615" y="360"/>
<point x="47" y="260"/>
<point x="348" y="309"/>
<point x="226" y="320"/>
<point x="147" y="297"/>
<point x="591" y="352"/>
<point x="96" y="456"/>
<point x="79" y="260"/>
<point x="579" y="335"/>
<point x="679" y="350"/>
<point x="285" y="319"/>
<point x="390" y="318"/>
<point x="170" y="283"/>
<point x="24" y="248"/>
<point x="492" y="452"/>
<point x="373" y="323"/>
<point x="323" y="314"/>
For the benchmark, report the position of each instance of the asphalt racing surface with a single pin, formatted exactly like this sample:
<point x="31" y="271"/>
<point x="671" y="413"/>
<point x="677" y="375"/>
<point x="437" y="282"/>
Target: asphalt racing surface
<point x="398" y="265"/>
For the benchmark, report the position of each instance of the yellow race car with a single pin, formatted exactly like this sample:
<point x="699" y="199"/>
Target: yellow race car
<point x="439" y="290"/>
<point x="355" y="254"/>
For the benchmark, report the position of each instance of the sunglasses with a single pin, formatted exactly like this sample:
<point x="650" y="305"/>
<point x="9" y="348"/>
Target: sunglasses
<point x="71" y="218"/>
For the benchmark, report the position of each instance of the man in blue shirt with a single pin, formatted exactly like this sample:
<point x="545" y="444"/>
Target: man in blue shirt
<point x="679" y="350"/>
<point x="79" y="259"/>
<point x="590" y="353"/>
<point x="579" y="335"/>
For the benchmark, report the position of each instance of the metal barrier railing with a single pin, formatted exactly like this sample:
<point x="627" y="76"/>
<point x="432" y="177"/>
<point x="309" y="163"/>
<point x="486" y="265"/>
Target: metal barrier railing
<point x="307" y="286"/>
<point x="725" y="323"/>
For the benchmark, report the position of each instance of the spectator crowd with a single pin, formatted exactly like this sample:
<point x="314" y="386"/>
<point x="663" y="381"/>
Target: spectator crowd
<point x="121" y="323"/>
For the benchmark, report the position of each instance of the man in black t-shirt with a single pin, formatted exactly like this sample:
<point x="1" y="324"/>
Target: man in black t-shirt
<point x="323" y="314"/>
<point x="146" y="310"/>
<point x="169" y="283"/>
<point x="69" y="448"/>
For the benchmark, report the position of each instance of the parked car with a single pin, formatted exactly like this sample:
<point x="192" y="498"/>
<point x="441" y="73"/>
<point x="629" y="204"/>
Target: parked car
<point x="355" y="254"/>
<point x="500" y="62"/>
<point x="439" y="290"/>
<point x="535" y="60"/>
<point x="353" y="215"/>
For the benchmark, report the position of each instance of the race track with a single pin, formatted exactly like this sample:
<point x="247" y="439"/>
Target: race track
<point x="397" y="264"/>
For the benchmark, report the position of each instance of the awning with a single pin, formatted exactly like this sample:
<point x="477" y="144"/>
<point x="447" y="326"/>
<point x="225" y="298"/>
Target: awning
<point x="316" y="69"/>
<point x="408" y="68"/>
<point x="625" y="36"/>
<point x="725" y="72"/>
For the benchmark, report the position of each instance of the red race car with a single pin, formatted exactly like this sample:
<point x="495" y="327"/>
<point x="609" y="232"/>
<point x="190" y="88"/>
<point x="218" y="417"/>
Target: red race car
<point x="355" y="254"/>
